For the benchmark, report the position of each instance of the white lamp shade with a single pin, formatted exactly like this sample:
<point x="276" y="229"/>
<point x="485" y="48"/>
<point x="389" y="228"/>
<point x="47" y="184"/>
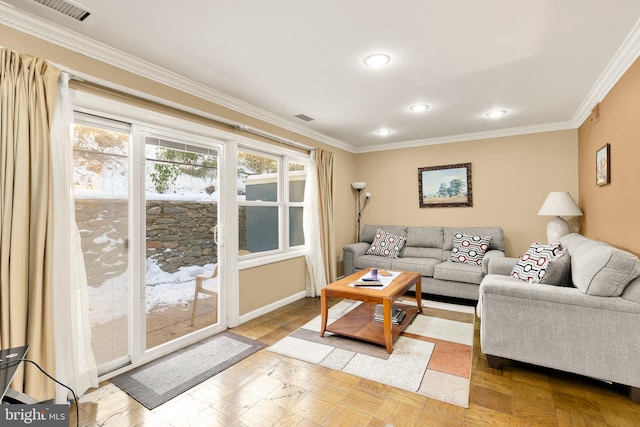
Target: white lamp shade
<point x="560" y="203"/>
<point x="359" y="185"/>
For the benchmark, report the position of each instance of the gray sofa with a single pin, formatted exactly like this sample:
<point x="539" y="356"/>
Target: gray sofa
<point x="427" y="251"/>
<point x="590" y="327"/>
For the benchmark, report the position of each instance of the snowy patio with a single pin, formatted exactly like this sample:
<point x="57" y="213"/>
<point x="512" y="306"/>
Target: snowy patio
<point x="169" y="301"/>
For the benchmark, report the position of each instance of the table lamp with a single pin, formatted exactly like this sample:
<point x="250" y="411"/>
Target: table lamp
<point x="558" y="204"/>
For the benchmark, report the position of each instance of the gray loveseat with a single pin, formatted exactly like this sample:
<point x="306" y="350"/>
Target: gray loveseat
<point x="590" y="327"/>
<point x="427" y="251"/>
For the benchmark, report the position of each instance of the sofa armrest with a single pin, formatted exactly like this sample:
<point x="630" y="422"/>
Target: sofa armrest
<point x="351" y="253"/>
<point x="502" y="266"/>
<point x="488" y="256"/>
<point x="561" y="328"/>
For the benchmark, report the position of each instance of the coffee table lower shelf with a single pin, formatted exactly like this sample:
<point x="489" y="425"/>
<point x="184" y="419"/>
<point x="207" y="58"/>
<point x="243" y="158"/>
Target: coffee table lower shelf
<point x="359" y="323"/>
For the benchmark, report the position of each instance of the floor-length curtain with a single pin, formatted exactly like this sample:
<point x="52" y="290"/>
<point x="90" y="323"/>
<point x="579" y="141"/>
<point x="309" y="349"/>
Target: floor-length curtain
<point x="75" y="364"/>
<point x="27" y="97"/>
<point x="316" y="278"/>
<point x="318" y="221"/>
<point x="324" y="169"/>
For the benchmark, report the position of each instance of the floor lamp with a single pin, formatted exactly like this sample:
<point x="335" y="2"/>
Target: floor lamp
<point x="359" y="186"/>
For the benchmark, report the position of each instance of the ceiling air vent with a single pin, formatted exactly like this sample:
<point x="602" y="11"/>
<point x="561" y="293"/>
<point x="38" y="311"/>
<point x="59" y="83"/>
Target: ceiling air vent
<point x="66" y="8"/>
<point x="304" y="117"/>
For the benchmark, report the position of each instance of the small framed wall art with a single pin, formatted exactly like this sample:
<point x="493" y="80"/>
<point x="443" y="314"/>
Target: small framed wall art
<point x="445" y="186"/>
<point x="603" y="165"/>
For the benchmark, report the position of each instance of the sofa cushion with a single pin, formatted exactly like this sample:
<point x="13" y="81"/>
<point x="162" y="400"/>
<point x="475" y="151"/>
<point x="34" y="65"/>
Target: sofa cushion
<point x="458" y="272"/>
<point x="373" y="261"/>
<point x="413" y="252"/>
<point x="571" y="241"/>
<point x="558" y="270"/>
<point x="468" y="249"/>
<point x="600" y="269"/>
<point x="425" y="237"/>
<point x="424" y="266"/>
<point x="386" y="244"/>
<point x="369" y="231"/>
<point x="632" y="291"/>
<point x="533" y="264"/>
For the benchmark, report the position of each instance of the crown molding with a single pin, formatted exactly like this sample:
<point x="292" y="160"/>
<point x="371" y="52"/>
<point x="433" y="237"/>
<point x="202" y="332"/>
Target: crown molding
<point x="75" y="42"/>
<point x="472" y="136"/>
<point x="620" y="63"/>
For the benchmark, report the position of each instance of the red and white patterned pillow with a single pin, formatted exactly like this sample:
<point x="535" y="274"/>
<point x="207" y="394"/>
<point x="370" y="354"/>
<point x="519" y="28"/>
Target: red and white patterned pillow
<point x="386" y="244"/>
<point x="469" y="249"/>
<point x="533" y="264"/>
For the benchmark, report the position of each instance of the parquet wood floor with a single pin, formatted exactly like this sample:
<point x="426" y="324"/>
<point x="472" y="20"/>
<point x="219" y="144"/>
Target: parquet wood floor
<point x="271" y="390"/>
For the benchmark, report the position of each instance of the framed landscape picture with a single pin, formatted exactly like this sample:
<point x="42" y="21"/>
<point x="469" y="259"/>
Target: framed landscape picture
<point x="603" y="165"/>
<point x="445" y="186"/>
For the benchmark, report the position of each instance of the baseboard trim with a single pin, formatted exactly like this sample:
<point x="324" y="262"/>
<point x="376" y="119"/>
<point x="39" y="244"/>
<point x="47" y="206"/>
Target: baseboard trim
<point x="269" y="308"/>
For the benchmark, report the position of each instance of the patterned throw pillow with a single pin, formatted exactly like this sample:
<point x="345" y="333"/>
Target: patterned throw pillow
<point x="533" y="264"/>
<point x="469" y="249"/>
<point x="386" y="244"/>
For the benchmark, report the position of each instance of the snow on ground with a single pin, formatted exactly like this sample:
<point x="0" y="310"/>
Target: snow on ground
<point x="108" y="301"/>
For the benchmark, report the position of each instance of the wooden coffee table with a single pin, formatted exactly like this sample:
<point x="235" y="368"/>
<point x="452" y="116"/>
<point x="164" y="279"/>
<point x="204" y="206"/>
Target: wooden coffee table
<point x="360" y="323"/>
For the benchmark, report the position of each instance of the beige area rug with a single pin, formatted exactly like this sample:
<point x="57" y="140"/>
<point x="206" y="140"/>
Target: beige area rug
<point x="432" y="357"/>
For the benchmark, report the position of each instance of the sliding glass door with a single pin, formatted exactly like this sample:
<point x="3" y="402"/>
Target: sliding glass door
<point x="101" y="186"/>
<point x="147" y="210"/>
<point x="181" y="214"/>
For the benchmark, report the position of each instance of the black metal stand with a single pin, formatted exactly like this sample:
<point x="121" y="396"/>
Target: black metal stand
<point x="366" y="200"/>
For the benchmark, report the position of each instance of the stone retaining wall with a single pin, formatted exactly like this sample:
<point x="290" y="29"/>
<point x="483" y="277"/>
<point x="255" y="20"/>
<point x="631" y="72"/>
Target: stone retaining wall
<point x="103" y="226"/>
<point x="179" y="233"/>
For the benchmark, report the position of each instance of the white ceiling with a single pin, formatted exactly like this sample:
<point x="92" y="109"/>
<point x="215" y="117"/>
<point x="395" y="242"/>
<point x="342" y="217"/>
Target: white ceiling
<point x="547" y="62"/>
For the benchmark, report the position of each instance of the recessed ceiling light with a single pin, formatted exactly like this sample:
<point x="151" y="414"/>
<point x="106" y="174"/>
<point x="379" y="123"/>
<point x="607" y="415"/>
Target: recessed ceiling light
<point x="496" y="113"/>
<point x="418" y="108"/>
<point x="377" y="60"/>
<point x="383" y="132"/>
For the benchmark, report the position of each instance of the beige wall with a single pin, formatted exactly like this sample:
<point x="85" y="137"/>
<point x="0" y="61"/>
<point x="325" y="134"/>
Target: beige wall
<point x="271" y="283"/>
<point x="611" y="211"/>
<point x="511" y="176"/>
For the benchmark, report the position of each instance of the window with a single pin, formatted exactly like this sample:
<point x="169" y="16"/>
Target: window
<point x="270" y="202"/>
<point x="297" y="175"/>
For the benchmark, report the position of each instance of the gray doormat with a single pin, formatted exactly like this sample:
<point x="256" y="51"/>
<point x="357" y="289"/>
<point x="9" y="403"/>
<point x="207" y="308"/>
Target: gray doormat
<point x="167" y="377"/>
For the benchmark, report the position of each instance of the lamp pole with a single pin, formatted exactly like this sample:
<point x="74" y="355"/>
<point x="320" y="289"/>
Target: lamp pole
<point x="359" y="186"/>
<point x="366" y="200"/>
<point x="359" y="215"/>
